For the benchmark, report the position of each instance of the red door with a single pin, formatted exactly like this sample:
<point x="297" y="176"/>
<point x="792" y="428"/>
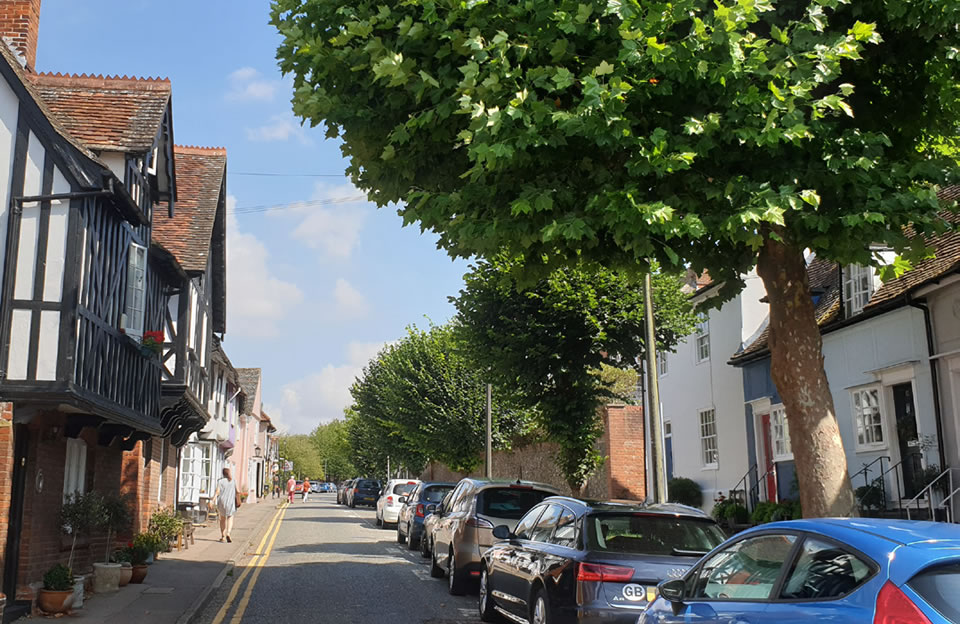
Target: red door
<point x="767" y="460"/>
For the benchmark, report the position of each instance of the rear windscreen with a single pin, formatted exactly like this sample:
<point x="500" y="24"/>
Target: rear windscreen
<point x="508" y="503"/>
<point x="436" y="493"/>
<point x="366" y="484"/>
<point x="939" y="587"/>
<point x="651" y="535"/>
<point x="403" y="488"/>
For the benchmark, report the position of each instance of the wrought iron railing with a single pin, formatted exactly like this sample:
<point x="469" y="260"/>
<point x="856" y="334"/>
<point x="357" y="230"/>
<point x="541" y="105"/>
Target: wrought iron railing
<point x="745" y="486"/>
<point x="944" y="481"/>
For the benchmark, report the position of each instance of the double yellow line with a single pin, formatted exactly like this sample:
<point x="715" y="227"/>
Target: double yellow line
<point x="256" y="565"/>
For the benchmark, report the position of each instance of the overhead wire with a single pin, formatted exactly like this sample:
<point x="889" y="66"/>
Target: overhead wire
<point x="299" y="204"/>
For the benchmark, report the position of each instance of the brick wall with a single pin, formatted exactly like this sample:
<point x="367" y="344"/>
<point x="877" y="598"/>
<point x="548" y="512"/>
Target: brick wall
<point x="621" y="476"/>
<point x="142" y="469"/>
<point x="20" y="24"/>
<point x="6" y="483"/>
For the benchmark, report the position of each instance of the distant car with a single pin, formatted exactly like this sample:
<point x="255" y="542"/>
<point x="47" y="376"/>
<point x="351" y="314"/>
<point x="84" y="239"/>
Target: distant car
<point x="434" y="514"/>
<point x="342" y="491"/>
<point x="464" y="533"/>
<point x="388" y="505"/>
<point x="315" y="487"/>
<point x="329" y="487"/>
<point x="855" y="571"/>
<point x="415" y="509"/>
<point x="570" y="560"/>
<point x="363" y="492"/>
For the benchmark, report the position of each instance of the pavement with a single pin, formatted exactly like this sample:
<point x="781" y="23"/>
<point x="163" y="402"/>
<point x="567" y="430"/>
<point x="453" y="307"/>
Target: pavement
<point x="327" y="563"/>
<point x="179" y="584"/>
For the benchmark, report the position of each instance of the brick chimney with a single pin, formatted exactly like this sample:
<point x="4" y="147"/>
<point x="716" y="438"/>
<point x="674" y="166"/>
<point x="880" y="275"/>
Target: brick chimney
<point x="19" y="27"/>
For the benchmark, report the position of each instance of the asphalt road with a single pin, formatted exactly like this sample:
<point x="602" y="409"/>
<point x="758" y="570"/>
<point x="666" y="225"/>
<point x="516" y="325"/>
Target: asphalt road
<point x="330" y="563"/>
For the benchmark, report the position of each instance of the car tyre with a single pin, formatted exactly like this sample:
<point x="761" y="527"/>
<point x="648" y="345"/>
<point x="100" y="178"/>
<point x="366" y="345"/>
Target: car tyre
<point x="411" y="543"/>
<point x="540" y="611"/>
<point x="485" y="602"/>
<point x="401" y="538"/>
<point x="379" y="522"/>
<point x="424" y="546"/>
<point x="456" y="584"/>
<point x="435" y="570"/>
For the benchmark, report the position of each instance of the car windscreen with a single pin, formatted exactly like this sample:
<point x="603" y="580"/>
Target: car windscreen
<point x="403" y="488"/>
<point x="435" y="494"/>
<point x="939" y="587"/>
<point x="650" y="534"/>
<point x="366" y="484"/>
<point x="509" y="503"/>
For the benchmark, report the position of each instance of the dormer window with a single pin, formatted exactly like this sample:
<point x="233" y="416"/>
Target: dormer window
<point x="857" y="288"/>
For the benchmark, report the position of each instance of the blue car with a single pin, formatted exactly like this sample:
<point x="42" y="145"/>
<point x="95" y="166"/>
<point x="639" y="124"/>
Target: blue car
<point x="831" y="570"/>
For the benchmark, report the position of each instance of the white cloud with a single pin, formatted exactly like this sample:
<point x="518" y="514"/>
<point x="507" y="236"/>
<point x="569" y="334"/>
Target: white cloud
<point x="278" y="128"/>
<point x="333" y="227"/>
<point x="247" y="83"/>
<point x="322" y="396"/>
<point x="258" y="300"/>
<point x="349" y="303"/>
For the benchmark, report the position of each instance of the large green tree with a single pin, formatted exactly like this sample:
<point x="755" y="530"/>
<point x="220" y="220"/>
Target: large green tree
<point x="333" y="444"/>
<point x="719" y="134"/>
<point x="431" y="402"/>
<point x="304" y="454"/>
<point x="552" y="339"/>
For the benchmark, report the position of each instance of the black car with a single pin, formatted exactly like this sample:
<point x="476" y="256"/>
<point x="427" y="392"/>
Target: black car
<point x="570" y="560"/>
<point x="364" y="492"/>
<point x="416" y="506"/>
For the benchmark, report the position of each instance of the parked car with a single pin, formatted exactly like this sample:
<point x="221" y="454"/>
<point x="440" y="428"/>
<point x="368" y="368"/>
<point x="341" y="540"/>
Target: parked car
<point x="363" y="492"/>
<point x="465" y="531"/>
<point x="342" y="491"/>
<point x="434" y="514"/>
<point x="416" y="506"/>
<point x="855" y="571"/>
<point x="570" y="560"/>
<point x="388" y="504"/>
<point x="316" y="487"/>
<point x="329" y="487"/>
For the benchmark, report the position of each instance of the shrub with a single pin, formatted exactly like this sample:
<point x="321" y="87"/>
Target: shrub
<point x="729" y="511"/>
<point x="763" y="512"/>
<point x="149" y="543"/>
<point x="58" y="578"/>
<point x="685" y="491"/>
<point x="115" y="516"/>
<point x="165" y="524"/>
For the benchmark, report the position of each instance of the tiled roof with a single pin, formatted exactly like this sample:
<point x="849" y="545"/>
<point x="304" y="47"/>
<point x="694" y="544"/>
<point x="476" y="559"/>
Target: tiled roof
<point x="825" y="278"/>
<point x="188" y="234"/>
<point x="220" y="357"/>
<point x="249" y="378"/>
<point x="107" y="113"/>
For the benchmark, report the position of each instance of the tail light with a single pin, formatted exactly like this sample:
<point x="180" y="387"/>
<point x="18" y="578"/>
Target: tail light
<point x="893" y="607"/>
<point x="602" y="573"/>
<point x="479" y="523"/>
<point x="420" y="509"/>
<point x="389" y="500"/>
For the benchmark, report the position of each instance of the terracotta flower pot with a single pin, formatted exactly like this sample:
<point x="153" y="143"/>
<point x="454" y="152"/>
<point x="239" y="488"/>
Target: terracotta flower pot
<point x="138" y="573"/>
<point x="126" y="573"/>
<point x="51" y="601"/>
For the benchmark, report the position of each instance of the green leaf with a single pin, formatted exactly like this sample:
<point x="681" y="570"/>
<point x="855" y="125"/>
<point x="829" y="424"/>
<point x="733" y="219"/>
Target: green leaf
<point x="603" y="69"/>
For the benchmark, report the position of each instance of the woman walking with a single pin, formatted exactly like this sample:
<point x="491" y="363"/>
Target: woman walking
<point x="291" y="488"/>
<point x="226" y="497"/>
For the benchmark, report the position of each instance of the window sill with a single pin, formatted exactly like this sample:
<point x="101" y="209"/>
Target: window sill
<point x="699" y="362"/>
<point x="710" y="468"/>
<point x="783" y="458"/>
<point x="872" y="449"/>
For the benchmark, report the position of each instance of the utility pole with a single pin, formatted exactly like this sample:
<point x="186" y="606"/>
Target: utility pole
<point x="388" y="467"/>
<point x="489" y="431"/>
<point x="653" y="397"/>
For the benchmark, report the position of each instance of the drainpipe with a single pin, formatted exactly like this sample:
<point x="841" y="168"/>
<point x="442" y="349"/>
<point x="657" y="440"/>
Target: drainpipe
<point x="935" y="378"/>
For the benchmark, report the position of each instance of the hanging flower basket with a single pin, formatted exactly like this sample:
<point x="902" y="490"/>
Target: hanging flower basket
<point x="151" y="344"/>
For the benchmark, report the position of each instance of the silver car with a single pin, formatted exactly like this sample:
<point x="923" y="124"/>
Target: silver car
<point x="465" y="529"/>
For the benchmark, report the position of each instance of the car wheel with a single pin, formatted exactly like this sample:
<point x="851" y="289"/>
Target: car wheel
<point x="455" y="582"/>
<point x="540" y="613"/>
<point x="411" y="543"/>
<point x="401" y="538"/>
<point x="486" y="602"/>
<point x="353" y="505"/>
<point x="379" y="522"/>
<point x="435" y="570"/>
<point x="424" y="547"/>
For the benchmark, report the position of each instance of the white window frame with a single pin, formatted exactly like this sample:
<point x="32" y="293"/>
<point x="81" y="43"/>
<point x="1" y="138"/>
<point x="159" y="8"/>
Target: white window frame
<point x="663" y="367"/>
<point x="702" y="343"/>
<point x="780" y="434"/>
<point x="857" y="288"/>
<point x="708" y="439"/>
<point x="860" y="429"/>
<point x="133" y="316"/>
<point x="75" y="468"/>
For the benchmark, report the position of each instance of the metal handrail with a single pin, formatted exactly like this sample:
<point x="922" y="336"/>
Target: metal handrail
<point x="929" y="488"/>
<point x="944" y="502"/>
<point x="866" y="469"/>
<point x="745" y="481"/>
<point x="867" y="484"/>
<point x="762" y="479"/>
<point x="883" y="484"/>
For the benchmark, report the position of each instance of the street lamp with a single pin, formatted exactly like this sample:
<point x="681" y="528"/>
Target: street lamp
<point x="257" y="452"/>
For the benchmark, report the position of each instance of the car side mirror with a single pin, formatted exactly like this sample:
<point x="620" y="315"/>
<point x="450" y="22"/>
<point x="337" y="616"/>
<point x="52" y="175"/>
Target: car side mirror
<point x="402" y="500"/>
<point x="672" y="590"/>
<point x="432" y="509"/>
<point x="502" y="532"/>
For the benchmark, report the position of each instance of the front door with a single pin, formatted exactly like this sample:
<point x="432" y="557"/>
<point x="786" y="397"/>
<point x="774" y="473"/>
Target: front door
<point x="21" y="442"/>
<point x="767" y="465"/>
<point x="911" y="453"/>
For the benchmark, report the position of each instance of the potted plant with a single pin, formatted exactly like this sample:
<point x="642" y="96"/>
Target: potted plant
<point x="78" y="514"/>
<point x="151" y="344"/>
<point x="165" y="524"/>
<point x="114" y="516"/>
<point x="140" y="550"/>
<point x="57" y="593"/>
<point x="122" y="556"/>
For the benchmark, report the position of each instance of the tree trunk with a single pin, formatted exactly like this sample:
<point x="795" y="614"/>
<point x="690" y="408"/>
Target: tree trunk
<point x="796" y="365"/>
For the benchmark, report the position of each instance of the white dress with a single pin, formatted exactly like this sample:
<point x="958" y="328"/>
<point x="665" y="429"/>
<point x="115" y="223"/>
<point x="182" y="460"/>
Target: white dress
<point x="227" y="499"/>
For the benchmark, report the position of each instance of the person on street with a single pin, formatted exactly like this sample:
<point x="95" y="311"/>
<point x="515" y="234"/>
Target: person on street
<point x="226" y="498"/>
<point x="276" y="485"/>
<point x="291" y="488"/>
<point x="306" y="489"/>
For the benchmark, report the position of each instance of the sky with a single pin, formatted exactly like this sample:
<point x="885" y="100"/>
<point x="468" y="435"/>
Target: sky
<point x="315" y="288"/>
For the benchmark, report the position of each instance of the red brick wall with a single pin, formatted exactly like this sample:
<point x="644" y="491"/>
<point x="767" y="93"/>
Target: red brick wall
<point x="141" y="477"/>
<point x="6" y="478"/>
<point x="20" y="22"/>
<point x="626" y="444"/>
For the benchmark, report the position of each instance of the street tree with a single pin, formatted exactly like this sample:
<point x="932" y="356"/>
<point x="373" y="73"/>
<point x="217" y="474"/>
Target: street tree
<point x="432" y="400"/>
<point x="303" y="453"/>
<point x="715" y="134"/>
<point x="553" y="340"/>
<point x="333" y="444"/>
